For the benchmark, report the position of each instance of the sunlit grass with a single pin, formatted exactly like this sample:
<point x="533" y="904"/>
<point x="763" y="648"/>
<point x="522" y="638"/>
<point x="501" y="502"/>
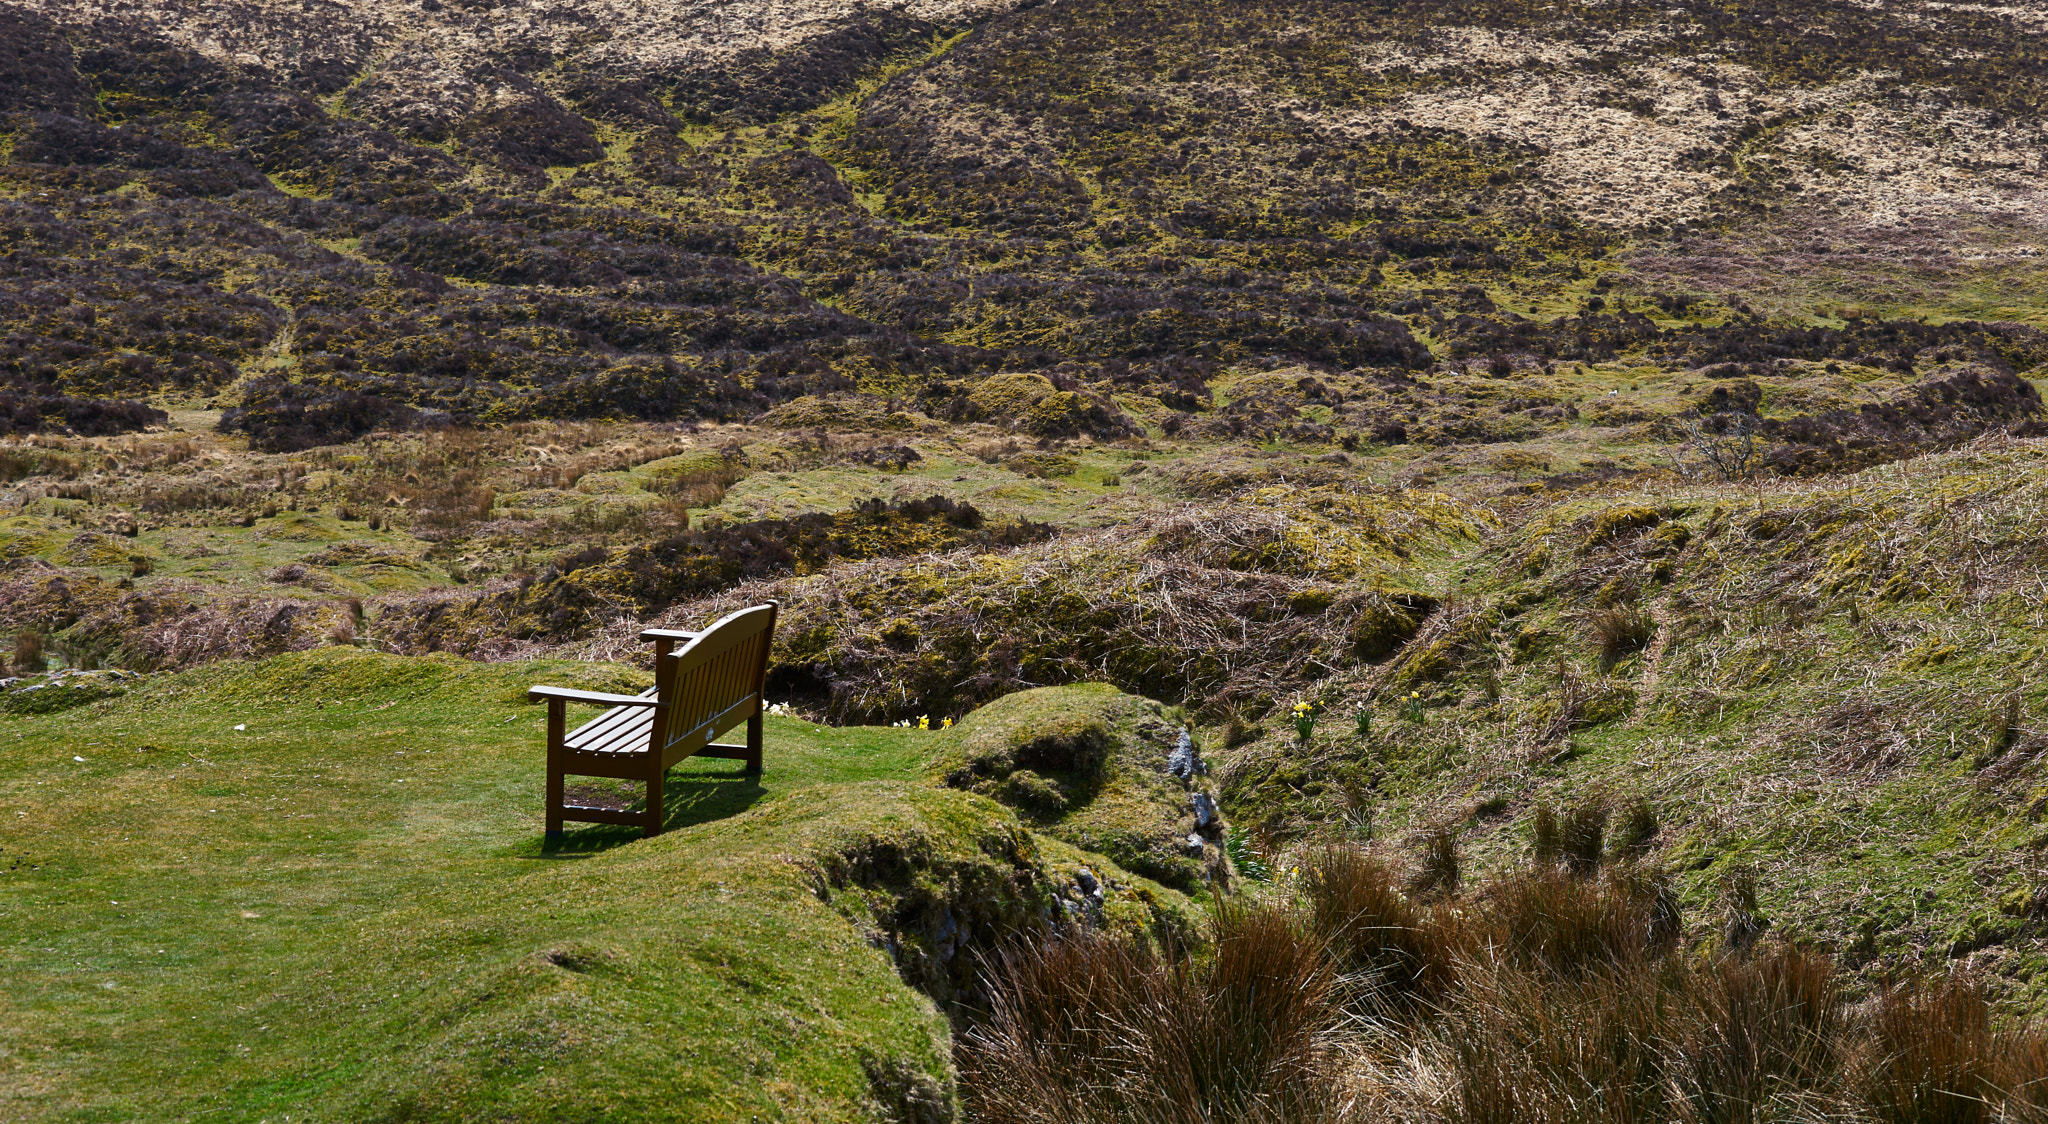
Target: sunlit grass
<point x="343" y="908"/>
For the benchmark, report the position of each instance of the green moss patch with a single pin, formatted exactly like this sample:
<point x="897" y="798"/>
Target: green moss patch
<point x="1085" y="764"/>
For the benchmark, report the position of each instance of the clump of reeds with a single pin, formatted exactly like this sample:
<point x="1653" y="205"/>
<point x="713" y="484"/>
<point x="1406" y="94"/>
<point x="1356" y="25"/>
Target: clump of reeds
<point x="1548" y="994"/>
<point x="1385" y="945"/>
<point x="28" y="651"/>
<point x="1439" y="869"/>
<point x="1582" y="837"/>
<point x="1620" y="631"/>
<point x="1086" y="1027"/>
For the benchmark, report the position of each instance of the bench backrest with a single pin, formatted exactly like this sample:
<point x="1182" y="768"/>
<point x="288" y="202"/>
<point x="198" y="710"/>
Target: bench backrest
<point x="714" y="682"/>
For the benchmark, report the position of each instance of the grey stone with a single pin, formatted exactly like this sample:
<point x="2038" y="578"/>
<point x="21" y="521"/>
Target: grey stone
<point x="1185" y="761"/>
<point x="1205" y="811"/>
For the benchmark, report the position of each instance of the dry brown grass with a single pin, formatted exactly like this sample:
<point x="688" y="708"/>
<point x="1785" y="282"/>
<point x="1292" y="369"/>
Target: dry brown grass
<point x="1087" y="1027"/>
<point x="1383" y="942"/>
<point x="1089" y="606"/>
<point x="1536" y="997"/>
<point x="1620" y="631"/>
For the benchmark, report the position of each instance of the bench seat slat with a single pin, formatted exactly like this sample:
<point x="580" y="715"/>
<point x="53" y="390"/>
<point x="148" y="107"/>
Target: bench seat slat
<point x="624" y="731"/>
<point x="612" y="721"/>
<point x="615" y="743"/>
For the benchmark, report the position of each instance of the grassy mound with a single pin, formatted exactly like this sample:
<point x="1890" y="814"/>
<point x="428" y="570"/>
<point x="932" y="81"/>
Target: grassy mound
<point x="315" y="884"/>
<point x="1086" y="764"/>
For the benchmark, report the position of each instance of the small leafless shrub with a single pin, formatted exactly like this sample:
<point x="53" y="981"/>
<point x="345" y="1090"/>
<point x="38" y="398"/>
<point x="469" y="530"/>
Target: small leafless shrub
<point x="28" y="651"/>
<point x="1728" y="443"/>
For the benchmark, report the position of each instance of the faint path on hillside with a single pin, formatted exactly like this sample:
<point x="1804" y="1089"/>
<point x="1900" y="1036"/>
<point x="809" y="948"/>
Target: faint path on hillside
<point x="1660" y="615"/>
<point x="1653" y="658"/>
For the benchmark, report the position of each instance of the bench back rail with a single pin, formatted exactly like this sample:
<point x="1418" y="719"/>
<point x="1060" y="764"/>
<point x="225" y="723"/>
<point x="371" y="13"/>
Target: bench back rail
<point x="717" y="680"/>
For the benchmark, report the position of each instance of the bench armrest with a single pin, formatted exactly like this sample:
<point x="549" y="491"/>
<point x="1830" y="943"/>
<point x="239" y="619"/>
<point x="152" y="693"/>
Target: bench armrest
<point x="535" y="694"/>
<point x="666" y="634"/>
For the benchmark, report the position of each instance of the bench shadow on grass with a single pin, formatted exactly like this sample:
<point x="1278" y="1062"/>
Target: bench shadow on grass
<point x="687" y="799"/>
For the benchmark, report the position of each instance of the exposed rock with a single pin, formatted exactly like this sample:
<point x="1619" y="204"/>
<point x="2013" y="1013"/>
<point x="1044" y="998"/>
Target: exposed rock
<point x="1186" y="761"/>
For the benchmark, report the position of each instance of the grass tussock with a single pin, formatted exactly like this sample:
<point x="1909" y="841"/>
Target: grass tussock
<point x="1383" y="943"/>
<point x="1088" y="1027"/>
<point x="1544" y="995"/>
<point x="1620" y="631"/>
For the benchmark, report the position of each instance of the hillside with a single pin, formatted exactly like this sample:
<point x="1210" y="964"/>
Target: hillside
<point x="703" y="212"/>
<point x="1619" y="415"/>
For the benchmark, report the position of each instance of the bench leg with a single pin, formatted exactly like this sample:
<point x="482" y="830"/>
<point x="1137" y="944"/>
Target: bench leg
<point x="555" y="769"/>
<point x="654" y="783"/>
<point x="754" y="743"/>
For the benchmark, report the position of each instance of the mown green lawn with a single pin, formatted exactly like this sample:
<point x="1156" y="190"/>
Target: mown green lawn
<point x="344" y="911"/>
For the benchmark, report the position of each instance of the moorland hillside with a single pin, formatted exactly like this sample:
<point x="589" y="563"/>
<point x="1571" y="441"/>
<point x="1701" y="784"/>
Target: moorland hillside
<point x="1460" y="419"/>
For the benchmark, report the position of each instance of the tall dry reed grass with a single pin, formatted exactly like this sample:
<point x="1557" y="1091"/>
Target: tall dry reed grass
<point x="1548" y="996"/>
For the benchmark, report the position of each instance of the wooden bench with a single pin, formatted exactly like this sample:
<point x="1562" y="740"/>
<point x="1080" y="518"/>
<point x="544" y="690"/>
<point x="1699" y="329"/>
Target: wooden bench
<point x="710" y="684"/>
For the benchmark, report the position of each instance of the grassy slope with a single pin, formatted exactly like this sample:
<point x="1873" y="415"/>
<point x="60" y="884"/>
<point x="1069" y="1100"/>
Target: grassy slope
<point x="345" y="910"/>
<point x="1822" y="701"/>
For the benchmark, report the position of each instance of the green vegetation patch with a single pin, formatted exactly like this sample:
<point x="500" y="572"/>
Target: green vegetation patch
<point x="1830" y="684"/>
<point x="317" y="885"/>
